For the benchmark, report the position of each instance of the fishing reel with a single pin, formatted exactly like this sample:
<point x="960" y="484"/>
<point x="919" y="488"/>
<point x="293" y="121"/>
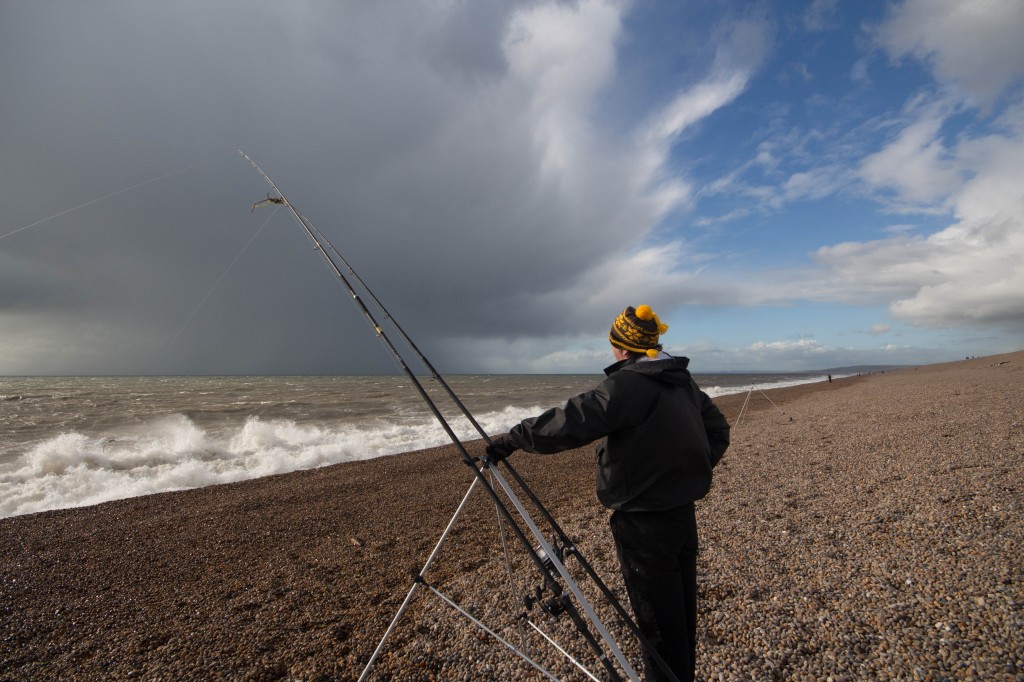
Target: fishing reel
<point x="553" y="606"/>
<point x="556" y="604"/>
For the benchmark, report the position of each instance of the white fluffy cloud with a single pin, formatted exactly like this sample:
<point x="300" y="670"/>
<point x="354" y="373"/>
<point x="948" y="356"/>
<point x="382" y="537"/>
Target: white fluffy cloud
<point x="616" y="187"/>
<point x="968" y="273"/>
<point x="975" y="44"/>
<point x="971" y="272"/>
<point x="916" y="165"/>
<point x="561" y="57"/>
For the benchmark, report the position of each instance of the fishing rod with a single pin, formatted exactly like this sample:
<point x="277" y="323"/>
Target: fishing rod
<point x="550" y="564"/>
<point x="568" y="546"/>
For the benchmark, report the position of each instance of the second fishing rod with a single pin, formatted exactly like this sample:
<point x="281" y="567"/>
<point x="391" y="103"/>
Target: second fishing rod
<point x="548" y="566"/>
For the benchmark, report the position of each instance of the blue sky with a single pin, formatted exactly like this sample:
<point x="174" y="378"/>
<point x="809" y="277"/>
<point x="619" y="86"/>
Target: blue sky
<point x="790" y="185"/>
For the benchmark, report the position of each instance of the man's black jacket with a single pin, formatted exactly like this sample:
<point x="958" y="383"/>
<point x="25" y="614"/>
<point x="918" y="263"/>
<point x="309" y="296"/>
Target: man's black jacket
<point x="661" y="434"/>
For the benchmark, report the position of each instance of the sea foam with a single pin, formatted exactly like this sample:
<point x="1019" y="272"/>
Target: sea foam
<point x="174" y="453"/>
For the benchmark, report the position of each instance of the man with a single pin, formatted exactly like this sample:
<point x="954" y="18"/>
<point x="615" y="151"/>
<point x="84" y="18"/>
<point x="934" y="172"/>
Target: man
<point x="661" y="437"/>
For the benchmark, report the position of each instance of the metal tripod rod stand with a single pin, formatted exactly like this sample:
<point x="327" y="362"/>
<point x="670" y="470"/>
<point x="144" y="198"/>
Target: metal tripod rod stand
<point x="556" y="564"/>
<point x="743" y="409"/>
<point x="746" y="401"/>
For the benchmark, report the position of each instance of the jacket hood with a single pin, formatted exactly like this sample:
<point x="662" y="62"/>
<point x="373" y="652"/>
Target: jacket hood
<point x="669" y="370"/>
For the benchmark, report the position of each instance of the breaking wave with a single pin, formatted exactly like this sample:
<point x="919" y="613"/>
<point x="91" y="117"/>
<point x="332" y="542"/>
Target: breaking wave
<point x="174" y="453"/>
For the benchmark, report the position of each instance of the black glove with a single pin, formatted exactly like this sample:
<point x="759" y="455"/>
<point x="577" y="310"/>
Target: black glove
<point x="500" y="448"/>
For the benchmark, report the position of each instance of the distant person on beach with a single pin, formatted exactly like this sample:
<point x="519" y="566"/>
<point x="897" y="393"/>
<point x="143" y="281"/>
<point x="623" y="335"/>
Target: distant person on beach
<point x="661" y="436"/>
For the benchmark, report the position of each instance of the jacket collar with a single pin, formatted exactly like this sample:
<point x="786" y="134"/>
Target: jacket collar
<point x="613" y="368"/>
<point x="681" y="362"/>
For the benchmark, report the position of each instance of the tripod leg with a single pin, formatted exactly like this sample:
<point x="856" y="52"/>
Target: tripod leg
<point x="416" y="582"/>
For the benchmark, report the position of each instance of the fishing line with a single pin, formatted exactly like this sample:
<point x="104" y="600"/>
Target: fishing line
<point x="223" y="274"/>
<point x="114" y="194"/>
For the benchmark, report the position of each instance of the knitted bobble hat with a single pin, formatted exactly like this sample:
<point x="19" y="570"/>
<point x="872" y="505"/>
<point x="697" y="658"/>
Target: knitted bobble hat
<point x="637" y="330"/>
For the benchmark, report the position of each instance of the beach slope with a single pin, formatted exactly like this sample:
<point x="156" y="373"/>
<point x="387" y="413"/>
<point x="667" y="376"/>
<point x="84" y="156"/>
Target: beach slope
<point x="868" y="528"/>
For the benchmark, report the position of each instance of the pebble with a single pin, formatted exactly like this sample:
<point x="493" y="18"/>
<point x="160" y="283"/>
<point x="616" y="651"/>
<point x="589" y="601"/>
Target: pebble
<point x="872" y="532"/>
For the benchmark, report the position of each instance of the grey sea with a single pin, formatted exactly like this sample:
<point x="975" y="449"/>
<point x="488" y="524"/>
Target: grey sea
<point x="73" y="441"/>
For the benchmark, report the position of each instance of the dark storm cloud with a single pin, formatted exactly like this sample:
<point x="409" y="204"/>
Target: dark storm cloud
<point x="469" y="188"/>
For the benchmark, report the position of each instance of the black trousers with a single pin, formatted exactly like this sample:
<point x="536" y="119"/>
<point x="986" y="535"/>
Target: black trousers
<point x="658" y="556"/>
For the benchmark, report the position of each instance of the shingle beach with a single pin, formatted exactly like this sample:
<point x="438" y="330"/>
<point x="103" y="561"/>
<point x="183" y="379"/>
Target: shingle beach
<point x="868" y="528"/>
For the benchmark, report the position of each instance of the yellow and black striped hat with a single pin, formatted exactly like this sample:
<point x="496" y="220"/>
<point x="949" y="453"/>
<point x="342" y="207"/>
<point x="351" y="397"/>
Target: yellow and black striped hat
<point x="637" y="330"/>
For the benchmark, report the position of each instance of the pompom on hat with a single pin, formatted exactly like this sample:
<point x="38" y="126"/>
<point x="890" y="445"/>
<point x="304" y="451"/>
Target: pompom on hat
<point x="637" y="330"/>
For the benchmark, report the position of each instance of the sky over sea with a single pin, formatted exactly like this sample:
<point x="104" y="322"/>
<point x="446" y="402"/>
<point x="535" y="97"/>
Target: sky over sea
<point x="790" y="185"/>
